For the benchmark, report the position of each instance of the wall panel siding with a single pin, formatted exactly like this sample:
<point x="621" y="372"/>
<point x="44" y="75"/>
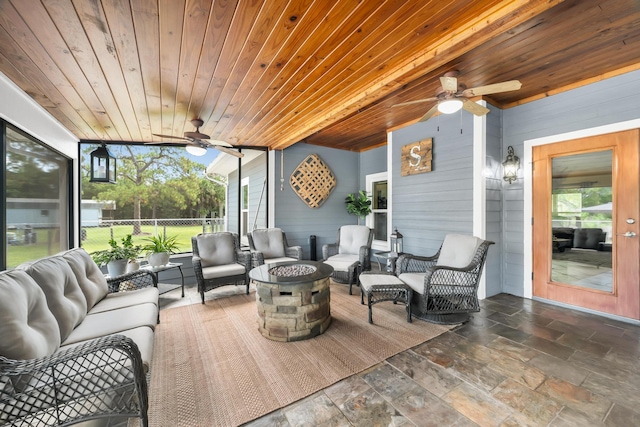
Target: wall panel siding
<point x="428" y="206"/>
<point x="300" y="221"/>
<point x="609" y="101"/>
<point x="493" y="207"/>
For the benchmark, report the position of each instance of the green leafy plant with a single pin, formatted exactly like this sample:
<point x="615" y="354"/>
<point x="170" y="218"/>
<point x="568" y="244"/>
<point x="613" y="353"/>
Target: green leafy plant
<point x="160" y="244"/>
<point x="127" y="251"/>
<point x="358" y="204"/>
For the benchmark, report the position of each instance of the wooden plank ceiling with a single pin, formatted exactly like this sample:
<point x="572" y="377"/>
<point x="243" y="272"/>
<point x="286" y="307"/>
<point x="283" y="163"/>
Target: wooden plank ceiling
<point x="272" y="73"/>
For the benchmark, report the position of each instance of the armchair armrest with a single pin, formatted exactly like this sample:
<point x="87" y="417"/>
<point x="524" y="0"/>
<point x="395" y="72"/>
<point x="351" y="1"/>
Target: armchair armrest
<point x="244" y="258"/>
<point x="101" y="378"/>
<point x="134" y="280"/>
<point x="257" y="258"/>
<point x="293" y="252"/>
<point x="365" y="258"/>
<point x="329" y="249"/>
<point x="408" y="263"/>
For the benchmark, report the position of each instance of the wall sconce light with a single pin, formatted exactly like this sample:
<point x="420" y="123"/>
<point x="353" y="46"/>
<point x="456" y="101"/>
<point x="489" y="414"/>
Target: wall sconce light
<point x="396" y="242"/>
<point x="510" y="166"/>
<point x="103" y="165"/>
<point x="449" y="106"/>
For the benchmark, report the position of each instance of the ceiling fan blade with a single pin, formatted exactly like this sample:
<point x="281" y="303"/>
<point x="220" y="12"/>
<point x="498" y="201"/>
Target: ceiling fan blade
<point x="449" y="84"/>
<point x="494" y="88"/>
<point x="229" y="151"/>
<point x="429" y="114"/>
<point x="217" y="143"/>
<point x="417" y="101"/>
<point x="170" y="136"/>
<point x="474" y="108"/>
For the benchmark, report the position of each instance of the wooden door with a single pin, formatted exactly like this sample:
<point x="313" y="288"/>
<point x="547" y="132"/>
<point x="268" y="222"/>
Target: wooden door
<point x="573" y="262"/>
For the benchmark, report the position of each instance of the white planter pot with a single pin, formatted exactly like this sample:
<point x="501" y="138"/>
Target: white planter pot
<point x="117" y="267"/>
<point x="159" y="259"/>
<point x="133" y="266"/>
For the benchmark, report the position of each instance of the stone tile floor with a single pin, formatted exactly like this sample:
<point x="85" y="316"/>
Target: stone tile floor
<point x="516" y="363"/>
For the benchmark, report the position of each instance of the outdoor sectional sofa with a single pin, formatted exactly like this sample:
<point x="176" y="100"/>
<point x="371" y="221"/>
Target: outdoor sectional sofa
<point x="73" y="346"/>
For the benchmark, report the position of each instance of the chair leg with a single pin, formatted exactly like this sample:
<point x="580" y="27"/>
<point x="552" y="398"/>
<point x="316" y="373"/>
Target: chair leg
<point x="369" y="304"/>
<point x="202" y="296"/>
<point x="361" y="296"/>
<point x="409" y="296"/>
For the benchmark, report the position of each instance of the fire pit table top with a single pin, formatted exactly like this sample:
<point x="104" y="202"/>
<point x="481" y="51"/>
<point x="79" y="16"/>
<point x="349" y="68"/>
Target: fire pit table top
<point x="291" y="272"/>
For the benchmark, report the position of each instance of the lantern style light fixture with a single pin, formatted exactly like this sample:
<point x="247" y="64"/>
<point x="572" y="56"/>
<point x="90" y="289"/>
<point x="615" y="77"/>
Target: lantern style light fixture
<point x="396" y="242"/>
<point x="450" y="106"/>
<point x="103" y="165"/>
<point x="510" y="166"/>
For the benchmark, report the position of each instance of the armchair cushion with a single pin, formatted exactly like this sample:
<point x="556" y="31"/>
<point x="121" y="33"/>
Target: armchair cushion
<point x="28" y="329"/>
<point x="458" y="250"/>
<point x="414" y="280"/>
<point x="269" y="241"/>
<point x="342" y="262"/>
<point x="216" y="249"/>
<point x="218" y="271"/>
<point x="352" y="238"/>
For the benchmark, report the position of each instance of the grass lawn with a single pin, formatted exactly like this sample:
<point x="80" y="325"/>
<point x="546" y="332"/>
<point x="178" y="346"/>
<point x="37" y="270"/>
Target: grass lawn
<point x="47" y="242"/>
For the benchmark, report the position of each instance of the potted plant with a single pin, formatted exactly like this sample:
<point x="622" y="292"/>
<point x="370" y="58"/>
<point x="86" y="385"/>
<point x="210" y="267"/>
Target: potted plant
<point x="158" y="249"/>
<point x="117" y="256"/>
<point x="358" y="204"/>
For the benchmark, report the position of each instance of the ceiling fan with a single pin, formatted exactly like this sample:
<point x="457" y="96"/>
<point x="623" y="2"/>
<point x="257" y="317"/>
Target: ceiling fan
<point x="453" y="96"/>
<point x="197" y="143"/>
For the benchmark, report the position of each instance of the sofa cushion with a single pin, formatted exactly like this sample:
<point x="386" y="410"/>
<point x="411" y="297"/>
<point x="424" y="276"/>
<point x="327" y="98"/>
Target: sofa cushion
<point x="216" y="249"/>
<point x="126" y="299"/>
<point x="269" y="241"/>
<point x="110" y="322"/>
<point x="28" y="329"/>
<point x="90" y="278"/>
<point x="352" y="238"/>
<point x="458" y="250"/>
<point x="279" y="259"/>
<point x="588" y="238"/>
<point x="64" y="295"/>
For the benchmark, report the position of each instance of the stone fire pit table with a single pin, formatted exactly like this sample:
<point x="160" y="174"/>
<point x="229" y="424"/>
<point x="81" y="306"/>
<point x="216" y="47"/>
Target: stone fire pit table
<point x="293" y="299"/>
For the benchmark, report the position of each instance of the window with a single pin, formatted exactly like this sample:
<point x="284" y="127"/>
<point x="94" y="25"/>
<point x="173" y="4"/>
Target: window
<point x="160" y="190"/>
<point x="378" y="219"/>
<point x="37" y="199"/>
<point x="244" y="206"/>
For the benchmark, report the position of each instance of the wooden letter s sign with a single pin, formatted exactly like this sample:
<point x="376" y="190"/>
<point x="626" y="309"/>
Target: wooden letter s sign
<point x="416" y="157"/>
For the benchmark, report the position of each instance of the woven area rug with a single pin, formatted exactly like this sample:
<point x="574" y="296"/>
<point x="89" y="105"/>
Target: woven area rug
<point x="211" y="366"/>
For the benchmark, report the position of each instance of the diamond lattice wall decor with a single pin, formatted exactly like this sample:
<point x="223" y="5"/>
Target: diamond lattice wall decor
<point x="313" y="181"/>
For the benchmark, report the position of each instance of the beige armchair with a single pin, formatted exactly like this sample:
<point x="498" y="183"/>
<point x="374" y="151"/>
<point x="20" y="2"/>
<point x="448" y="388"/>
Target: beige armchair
<point x="218" y="261"/>
<point x="445" y="285"/>
<point x="269" y="245"/>
<point x="350" y="254"/>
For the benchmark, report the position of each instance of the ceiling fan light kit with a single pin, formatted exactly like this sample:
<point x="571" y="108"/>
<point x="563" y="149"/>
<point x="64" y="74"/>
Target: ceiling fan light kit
<point x="196" y="151"/>
<point x="450" y="106"/>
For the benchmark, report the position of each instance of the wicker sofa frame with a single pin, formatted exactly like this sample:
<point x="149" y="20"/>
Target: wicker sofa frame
<point x="103" y="378"/>
<point x="205" y="285"/>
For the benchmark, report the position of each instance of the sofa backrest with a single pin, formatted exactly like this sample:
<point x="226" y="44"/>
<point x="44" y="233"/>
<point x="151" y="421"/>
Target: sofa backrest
<point x="269" y="241"/>
<point x="588" y="238"/>
<point x="90" y="278"/>
<point x="28" y="329"/>
<point x="352" y="238"/>
<point x="64" y="296"/>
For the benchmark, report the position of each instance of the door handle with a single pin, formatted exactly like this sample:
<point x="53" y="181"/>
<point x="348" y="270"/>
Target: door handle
<point x="628" y="234"/>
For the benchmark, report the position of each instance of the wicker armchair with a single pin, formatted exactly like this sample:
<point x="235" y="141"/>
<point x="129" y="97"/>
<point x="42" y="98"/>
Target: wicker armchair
<point x="218" y="261"/>
<point x="445" y="285"/>
<point x="269" y="245"/>
<point x="350" y="254"/>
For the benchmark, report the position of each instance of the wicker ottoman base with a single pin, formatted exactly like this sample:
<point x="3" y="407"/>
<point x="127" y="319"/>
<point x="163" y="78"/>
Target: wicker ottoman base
<point x="379" y="287"/>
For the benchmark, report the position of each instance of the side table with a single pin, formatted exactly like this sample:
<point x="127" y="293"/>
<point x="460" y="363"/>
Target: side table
<point x="384" y="286"/>
<point x="389" y="259"/>
<point x="167" y="286"/>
